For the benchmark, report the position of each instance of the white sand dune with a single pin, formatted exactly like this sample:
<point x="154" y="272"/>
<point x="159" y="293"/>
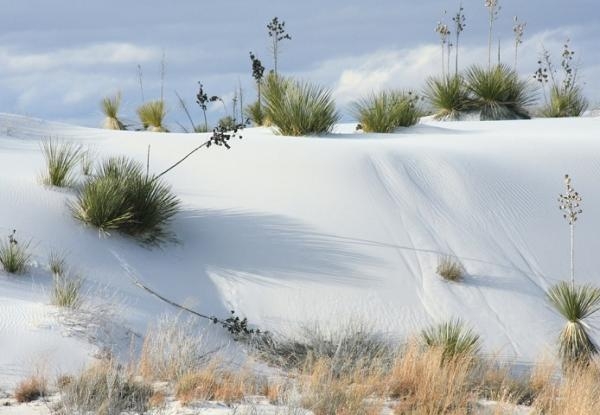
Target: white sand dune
<point x="340" y="228"/>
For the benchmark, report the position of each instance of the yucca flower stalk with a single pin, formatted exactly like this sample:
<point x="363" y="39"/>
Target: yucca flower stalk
<point x="444" y="32"/>
<point x="493" y="10"/>
<point x="277" y="33"/>
<point x="519" y="30"/>
<point x="459" y="26"/>
<point x="575" y="304"/>
<point x="570" y="203"/>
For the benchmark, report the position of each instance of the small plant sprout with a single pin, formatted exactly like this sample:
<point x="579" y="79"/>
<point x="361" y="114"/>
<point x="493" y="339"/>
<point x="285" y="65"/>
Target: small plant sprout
<point x="459" y="25"/>
<point x="493" y="7"/>
<point x="276" y="30"/>
<point x="519" y="31"/>
<point x="570" y="203"/>
<point x="444" y="32"/>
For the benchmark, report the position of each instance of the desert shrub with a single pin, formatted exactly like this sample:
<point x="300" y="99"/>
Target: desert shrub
<point x="349" y="347"/>
<point x="498" y="93"/>
<point x="31" y="389"/>
<point x="575" y="304"/>
<point x="171" y="349"/>
<point x="298" y="108"/>
<point x="14" y="255"/>
<point x="66" y="291"/>
<point x="57" y="262"/>
<point x="61" y="157"/>
<point x="565" y="102"/>
<point x="450" y="269"/>
<point x="227" y="123"/>
<point x="152" y="115"/>
<point x="449" y="97"/>
<point x="110" y="107"/>
<point x="122" y="197"/>
<point x="386" y="111"/>
<point x="421" y="385"/>
<point x="104" y="389"/>
<point x="215" y="382"/>
<point x="453" y="338"/>
<point x="255" y="113"/>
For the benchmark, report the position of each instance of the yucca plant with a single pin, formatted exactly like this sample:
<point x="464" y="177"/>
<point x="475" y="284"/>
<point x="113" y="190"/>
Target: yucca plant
<point x="498" y="93"/>
<point x="453" y="338"/>
<point x="110" y="107"/>
<point x="386" y="111"/>
<point x="14" y="255"/>
<point x="122" y="197"/>
<point x="152" y="115"/>
<point x="256" y="114"/>
<point x="565" y="102"/>
<point x="449" y="97"/>
<point x="66" y="291"/>
<point x="575" y="304"/>
<point x="61" y="157"/>
<point x="298" y="108"/>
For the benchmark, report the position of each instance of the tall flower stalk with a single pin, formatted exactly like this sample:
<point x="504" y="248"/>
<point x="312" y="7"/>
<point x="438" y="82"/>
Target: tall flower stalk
<point x="519" y="30"/>
<point x="459" y="25"/>
<point x="277" y="33"/>
<point x="570" y="203"/>
<point x="444" y="32"/>
<point x="493" y="10"/>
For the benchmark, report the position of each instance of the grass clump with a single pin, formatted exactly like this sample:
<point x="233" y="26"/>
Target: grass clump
<point x="298" y="108"/>
<point x="256" y="114"/>
<point x="110" y="107"/>
<point x="103" y="389"/>
<point x="61" y="157"/>
<point x="122" y="197"/>
<point x="449" y="97"/>
<point x="453" y="338"/>
<point x="575" y="304"/>
<point x="152" y="115"/>
<point x="498" y="93"/>
<point x="565" y="102"/>
<point x="386" y="111"/>
<point x="31" y="389"/>
<point x="66" y="291"/>
<point x="450" y="269"/>
<point x="14" y="255"/>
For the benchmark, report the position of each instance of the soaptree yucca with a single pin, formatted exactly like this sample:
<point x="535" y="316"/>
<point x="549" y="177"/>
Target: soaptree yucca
<point x="498" y="93"/>
<point x="449" y="97"/>
<point x="122" y="197"/>
<point x="110" y="107"/>
<point x="575" y="304"/>
<point x="565" y="102"/>
<point x="386" y="111"/>
<point x="61" y="158"/>
<point x="152" y="115"/>
<point x="298" y="108"/>
<point x="453" y="338"/>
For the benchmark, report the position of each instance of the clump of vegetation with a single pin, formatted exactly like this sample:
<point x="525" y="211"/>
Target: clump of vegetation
<point x="66" y="291"/>
<point x="566" y="97"/>
<point x="14" y="255"/>
<point x="450" y="269"/>
<point x="498" y="93"/>
<point x="453" y="338"/>
<point x="122" y="197"/>
<point x="110" y="107"/>
<point x="575" y="304"/>
<point x="449" y="97"/>
<point x="61" y="158"/>
<point x="31" y="389"/>
<point x="298" y="108"/>
<point x="386" y="111"/>
<point x="104" y="389"/>
<point x="152" y="115"/>
<point x="227" y="123"/>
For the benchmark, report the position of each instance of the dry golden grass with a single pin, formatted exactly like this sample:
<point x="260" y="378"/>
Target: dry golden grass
<point x="157" y="400"/>
<point x="31" y="389"/>
<point x="216" y="383"/>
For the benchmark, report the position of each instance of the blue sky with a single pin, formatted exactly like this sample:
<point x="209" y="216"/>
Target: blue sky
<point x="59" y="58"/>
